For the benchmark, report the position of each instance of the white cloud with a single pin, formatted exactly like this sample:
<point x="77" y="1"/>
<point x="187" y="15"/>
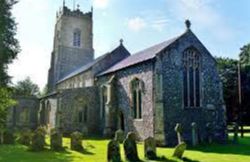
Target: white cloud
<point x="136" y="24"/>
<point x="159" y="24"/>
<point x="102" y="4"/>
<point x="204" y="14"/>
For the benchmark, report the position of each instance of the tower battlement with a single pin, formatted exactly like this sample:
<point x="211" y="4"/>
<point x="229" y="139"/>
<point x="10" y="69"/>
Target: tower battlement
<point x="65" y="11"/>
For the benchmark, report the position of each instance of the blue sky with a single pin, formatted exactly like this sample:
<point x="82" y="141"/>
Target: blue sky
<point x="222" y="25"/>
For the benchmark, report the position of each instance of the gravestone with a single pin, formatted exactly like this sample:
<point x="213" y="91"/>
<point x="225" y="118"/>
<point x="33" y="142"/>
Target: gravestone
<point x="236" y="131"/>
<point x="194" y="134"/>
<point x="56" y="141"/>
<point x="8" y="137"/>
<point x="114" y="151"/>
<point x="150" y="148"/>
<point x="179" y="150"/>
<point x="38" y="139"/>
<point x="76" y="141"/>
<point x="178" y="130"/>
<point x="119" y="136"/>
<point x="130" y="147"/>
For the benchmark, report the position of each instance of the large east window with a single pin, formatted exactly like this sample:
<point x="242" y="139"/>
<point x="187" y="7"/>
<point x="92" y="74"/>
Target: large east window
<point x="191" y="78"/>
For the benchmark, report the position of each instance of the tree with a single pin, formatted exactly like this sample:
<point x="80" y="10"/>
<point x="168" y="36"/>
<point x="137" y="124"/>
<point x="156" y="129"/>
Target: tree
<point x="9" y="46"/>
<point x="44" y="91"/>
<point x="5" y="103"/>
<point x="227" y="69"/>
<point x="26" y="88"/>
<point x="245" y="55"/>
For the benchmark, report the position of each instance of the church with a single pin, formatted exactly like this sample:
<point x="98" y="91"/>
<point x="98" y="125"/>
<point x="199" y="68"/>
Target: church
<point x="147" y="92"/>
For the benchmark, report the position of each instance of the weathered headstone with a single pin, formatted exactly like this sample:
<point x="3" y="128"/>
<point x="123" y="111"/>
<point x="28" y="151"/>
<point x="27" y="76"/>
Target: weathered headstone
<point x="76" y="141"/>
<point x="130" y="147"/>
<point x="179" y="150"/>
<point x="194" y="134"/>
<point x="38" y="139"/>
<point x="8" y="137"/>
<point x="178" y="130"/>
<point x="114" y="151"/>
<point x="56" y="141"/>
<point x="119" y="136"/>
<point x="150" y="148"/>
<point x="236" y="131"/>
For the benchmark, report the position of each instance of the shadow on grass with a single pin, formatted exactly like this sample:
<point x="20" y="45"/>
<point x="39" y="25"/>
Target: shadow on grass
<point x="241" y="148"/>
<point x="185" y="159"/>
<point x="20" y="153"/>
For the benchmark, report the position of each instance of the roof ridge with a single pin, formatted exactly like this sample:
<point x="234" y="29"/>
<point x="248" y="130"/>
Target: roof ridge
<point x="148" y="53"/>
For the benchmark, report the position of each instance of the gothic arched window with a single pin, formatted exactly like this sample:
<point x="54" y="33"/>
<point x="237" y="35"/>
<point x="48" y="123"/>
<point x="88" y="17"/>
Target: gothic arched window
<point x="77" y="38"/>
<point x="191" y="78"/>
<point x="136" y="88"/>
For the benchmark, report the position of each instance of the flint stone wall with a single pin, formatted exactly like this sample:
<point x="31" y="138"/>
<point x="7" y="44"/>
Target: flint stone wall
<point x="211" y="110"/>
<point x="70" y="102"/>
<point x="28" y="104"/>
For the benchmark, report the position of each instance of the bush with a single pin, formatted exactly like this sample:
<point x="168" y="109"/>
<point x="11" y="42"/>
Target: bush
<point x="25" y="137"/>
<point x="8" y="137"/>
<point x="76" y="141"/>
<point x="38" y="139"/>
<point x="56" y="141"/>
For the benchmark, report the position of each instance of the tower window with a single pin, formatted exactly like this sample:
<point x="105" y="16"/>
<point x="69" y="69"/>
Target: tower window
<point x="191" y="78"/>
<point x="77" y="38"/>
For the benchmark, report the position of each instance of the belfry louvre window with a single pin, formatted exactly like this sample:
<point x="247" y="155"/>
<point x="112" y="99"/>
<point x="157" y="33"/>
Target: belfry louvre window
<point x="77" y="38"/>
<point x="191" y="78"/>
<point x="136" y="98"/>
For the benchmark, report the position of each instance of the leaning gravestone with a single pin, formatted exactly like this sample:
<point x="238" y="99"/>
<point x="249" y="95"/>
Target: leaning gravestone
<point x="194" y="134"/>
<point x="8" y="137"/>
<point x="179" y="150"/>
<point x="38" y="139"/>
<point x="178" y="130"/>
<point x="76" y="141"/>
<point x="150" y="148"/>
<point x="119" y="136"/>
<point x="114" y="151"/>
<point x="130" y="147"/>
<point x="56" y="141"/>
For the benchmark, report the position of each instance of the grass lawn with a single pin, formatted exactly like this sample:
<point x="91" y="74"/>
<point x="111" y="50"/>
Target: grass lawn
<point x="96" y="152"/>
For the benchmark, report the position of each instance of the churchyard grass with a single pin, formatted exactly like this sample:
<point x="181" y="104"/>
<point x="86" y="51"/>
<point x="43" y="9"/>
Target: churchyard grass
<point x="96" y="150"/>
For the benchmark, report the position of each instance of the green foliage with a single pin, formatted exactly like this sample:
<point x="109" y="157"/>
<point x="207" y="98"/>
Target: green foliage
<point x="228" y="71"/>
<point x="245" y="55"/>
<point x="9" y="46"/>
<point x="5" y="103"/>
<point x="38" y="139"/>
<point x="44" y="91"/>
<point x="26" y="88"/>
<point x="24" y="137"/>
<point x="8" y="137"/>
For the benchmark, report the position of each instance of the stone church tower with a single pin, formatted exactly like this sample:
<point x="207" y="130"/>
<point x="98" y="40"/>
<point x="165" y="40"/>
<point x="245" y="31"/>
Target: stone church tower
<point x="73" y="44"/>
